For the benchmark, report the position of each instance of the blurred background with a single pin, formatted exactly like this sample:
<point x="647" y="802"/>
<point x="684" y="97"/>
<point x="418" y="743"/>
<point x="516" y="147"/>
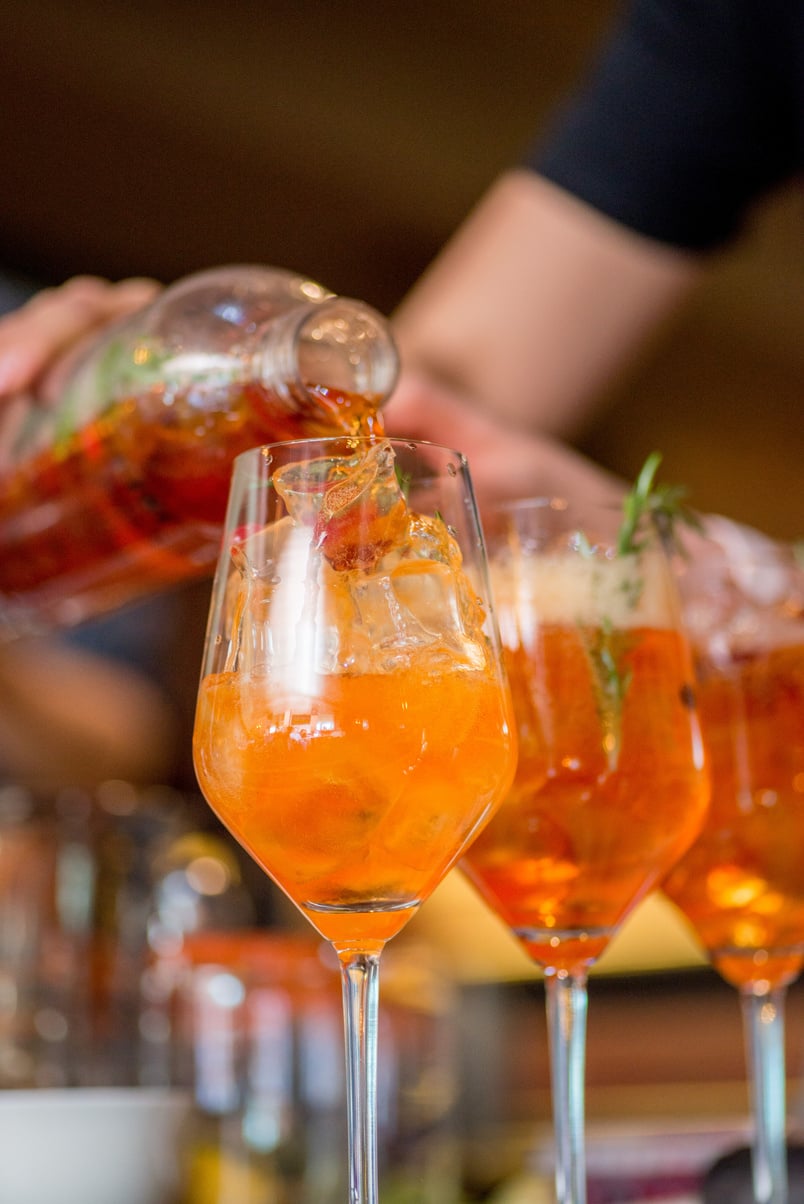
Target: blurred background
<point x="347" y="142"/>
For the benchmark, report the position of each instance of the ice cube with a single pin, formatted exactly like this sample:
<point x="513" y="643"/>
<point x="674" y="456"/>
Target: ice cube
<point x="743" y="592"/>
<point x="760" y="567"/>
<point x="354" y="503"/>
<point x="271" y="596"/>
<point x="350" y="580"/>
<point x="429" y="538"/>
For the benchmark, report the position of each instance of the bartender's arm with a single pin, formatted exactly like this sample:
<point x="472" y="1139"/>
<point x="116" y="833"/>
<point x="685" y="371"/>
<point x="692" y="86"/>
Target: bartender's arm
<point x="517" y="328"/>
<point x="535" y="303"/>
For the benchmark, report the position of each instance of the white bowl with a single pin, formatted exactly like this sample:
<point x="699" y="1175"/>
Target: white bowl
<point x="90" y="1145"/>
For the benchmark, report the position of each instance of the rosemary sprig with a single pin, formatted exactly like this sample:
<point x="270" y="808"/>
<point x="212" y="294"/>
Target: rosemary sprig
<point x="606" y="649"/>
<point x="645" y="501"/>
<point x="664" y="503"/>
<point x="403" y="480"/>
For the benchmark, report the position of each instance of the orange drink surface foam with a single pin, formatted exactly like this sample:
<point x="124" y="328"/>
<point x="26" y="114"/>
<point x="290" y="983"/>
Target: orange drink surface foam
<point x="357" y="797"/>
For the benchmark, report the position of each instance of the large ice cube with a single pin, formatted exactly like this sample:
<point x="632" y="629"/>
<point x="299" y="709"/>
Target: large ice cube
<point x="271" y="596"/>
<point x="743" y="592"/>
<point x="354" y="504"/>
<point x="350" y="580"/>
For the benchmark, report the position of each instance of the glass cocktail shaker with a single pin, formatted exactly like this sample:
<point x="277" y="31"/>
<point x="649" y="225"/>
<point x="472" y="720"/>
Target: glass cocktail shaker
<point x="120" y="490"/>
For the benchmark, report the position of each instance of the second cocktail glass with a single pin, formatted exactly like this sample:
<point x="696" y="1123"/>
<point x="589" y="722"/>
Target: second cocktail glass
<point x="610" y="788"/>
<point x="353" y="728"/>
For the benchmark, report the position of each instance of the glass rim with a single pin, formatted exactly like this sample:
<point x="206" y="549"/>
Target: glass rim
<point x="556" y="502"/>
<point x="261" y="449"/>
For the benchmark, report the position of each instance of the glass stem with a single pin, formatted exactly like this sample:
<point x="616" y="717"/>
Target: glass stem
<point x="360" y="978"/>
<point x="566" y="1027"/>
<point x="763" y="1025"/>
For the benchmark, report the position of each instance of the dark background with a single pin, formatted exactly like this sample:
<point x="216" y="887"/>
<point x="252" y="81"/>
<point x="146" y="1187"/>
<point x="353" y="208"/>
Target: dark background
<point x="347" y="142"/>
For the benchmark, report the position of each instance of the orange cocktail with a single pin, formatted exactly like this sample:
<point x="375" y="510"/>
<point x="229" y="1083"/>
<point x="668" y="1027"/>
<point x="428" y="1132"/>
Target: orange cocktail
<point x="600" y="812"/>
<point x="742" y="883"/>
<point x="354" y="799"/>
<point x="353" y="727"/>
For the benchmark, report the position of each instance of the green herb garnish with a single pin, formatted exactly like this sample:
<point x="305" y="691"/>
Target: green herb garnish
<point x="646" y="503"/>
<point x="606" y="649"/>
<point x="665" y="504"/>
<point x="403" y="480"/>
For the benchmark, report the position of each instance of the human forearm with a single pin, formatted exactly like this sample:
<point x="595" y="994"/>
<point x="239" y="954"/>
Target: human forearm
<point x="505" y="461"/>
<point x="536" y="303"/>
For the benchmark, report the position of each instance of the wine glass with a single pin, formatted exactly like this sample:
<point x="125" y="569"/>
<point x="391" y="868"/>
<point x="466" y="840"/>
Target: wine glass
<point x="610" y="788"/>
<point x="353" y="727"/>
<point x="741" y="885"/>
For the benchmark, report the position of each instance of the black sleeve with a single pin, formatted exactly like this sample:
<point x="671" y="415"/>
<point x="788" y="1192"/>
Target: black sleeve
<point x="687" y="118"/>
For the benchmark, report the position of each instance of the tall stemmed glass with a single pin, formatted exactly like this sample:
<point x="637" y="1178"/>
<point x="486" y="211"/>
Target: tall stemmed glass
<point x="610" y="788"/>
<point x="742" y="883"/>
<point x="353" y="728"/>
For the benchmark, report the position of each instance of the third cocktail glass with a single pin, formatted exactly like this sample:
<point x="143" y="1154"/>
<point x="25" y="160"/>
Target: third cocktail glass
<point x="742" y="883"/>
